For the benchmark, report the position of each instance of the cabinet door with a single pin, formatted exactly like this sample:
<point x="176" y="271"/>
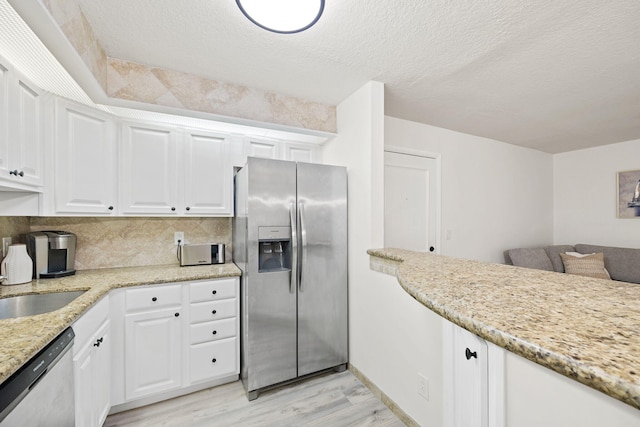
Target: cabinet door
<point x="470" y="366"/>
<point x="85" y="169"/>
<point x="4" y="119"/>
<point x="148" y="175"/>
<point x="83" y="368"/>
<point x="152" y="352"/>
<point x="207" y="175"/>
<point x="300" y="153"/>
<point x="102" y="374"/>
<point x="26" y="123"/>
<point x="264" y="149"/>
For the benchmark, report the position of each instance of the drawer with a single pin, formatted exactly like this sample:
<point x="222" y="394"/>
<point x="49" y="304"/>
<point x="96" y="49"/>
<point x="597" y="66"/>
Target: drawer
<point x="213" y="331"/>
<point x="213" y="360"/>
<point x="152" y="297"/>
<point x="213" y="290"/>
<point x="86" y="326"/>
<point x="213" y="310"/>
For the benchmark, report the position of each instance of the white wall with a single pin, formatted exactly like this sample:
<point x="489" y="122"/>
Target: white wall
<point x="495" y="196"/>
<point x="585" y="196"/>
<point x="391" y="336"/>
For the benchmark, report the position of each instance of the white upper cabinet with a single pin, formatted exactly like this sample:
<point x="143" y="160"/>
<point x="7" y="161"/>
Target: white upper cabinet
<point x="166" y="171"/>
<point x="148" y="172"/>
<point x="4" y="120"/>
<point x="20" y="130"/>
<point x="208" y="175"/>
<point x="300" y="152"/>
<point x="265" y="149"/>
<point x="85" y="160"/>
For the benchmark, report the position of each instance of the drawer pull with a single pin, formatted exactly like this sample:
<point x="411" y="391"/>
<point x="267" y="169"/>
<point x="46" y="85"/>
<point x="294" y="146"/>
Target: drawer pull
<point x="214" y="292"/>
<point x="177" y="314"/>
<point x="214" y="311"/>
<point x="215" y="332"/>
<point x="154" y="299"/>
<point x="213" y="360"/>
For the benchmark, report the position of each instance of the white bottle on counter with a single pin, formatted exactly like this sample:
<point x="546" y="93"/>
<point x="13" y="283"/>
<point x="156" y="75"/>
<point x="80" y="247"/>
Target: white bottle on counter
<point x="17" y="266"/>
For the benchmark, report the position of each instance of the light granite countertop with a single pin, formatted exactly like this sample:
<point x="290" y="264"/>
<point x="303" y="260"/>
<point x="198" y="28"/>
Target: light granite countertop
<point x="586" y="329"/>
<point x="21" y="338"/>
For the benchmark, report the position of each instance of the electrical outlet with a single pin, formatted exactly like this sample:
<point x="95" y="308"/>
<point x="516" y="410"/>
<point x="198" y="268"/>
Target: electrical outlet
<point x="6" y="241"/>
<point x="178" y="238"/>
<point x="423" y="386"/>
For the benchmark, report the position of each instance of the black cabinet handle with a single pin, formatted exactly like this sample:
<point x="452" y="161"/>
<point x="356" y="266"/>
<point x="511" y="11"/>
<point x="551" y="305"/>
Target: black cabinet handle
<point x="431" y="249"/>
<point x="177" y="314"/>
<point x="173" y="208"/>
<point x="100" y="339"/>
<point x="154" y="299"/>
<point x="21" y="173"/>
<point x="469" y="354"/>
<point x="110" y="208"/>
<point x="14" y="172"/>
<point x="214" y="311"/>
<point x="214" y="332"/>
<point x="188" y="208"/>
<point x="213" y="360"/>
<point x="96" y="344"/>
<point x="214" y="292"/>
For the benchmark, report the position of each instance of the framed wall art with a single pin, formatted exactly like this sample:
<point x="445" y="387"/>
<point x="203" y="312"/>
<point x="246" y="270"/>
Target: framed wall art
<point x="629" y="194"/>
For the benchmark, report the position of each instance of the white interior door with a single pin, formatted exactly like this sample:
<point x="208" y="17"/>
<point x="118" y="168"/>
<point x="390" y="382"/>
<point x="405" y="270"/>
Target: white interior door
<point x="410" y="202"/>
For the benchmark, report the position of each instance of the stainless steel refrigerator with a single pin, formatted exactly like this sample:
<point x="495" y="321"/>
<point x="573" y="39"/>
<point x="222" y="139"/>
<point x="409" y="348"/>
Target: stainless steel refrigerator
<point x="290" y="241"/>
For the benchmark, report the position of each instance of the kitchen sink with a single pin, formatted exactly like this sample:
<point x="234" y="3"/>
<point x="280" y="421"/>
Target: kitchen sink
<point x="28" y="305"/>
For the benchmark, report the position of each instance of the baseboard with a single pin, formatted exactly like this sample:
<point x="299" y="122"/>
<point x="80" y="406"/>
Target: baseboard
<point x="404" y="417"/>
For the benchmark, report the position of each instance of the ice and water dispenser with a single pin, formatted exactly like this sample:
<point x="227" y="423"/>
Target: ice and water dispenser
<point x="274" y="249"/>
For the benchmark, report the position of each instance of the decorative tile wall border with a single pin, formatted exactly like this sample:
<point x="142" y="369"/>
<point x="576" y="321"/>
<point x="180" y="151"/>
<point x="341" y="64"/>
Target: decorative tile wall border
<point x="128" y="80"/>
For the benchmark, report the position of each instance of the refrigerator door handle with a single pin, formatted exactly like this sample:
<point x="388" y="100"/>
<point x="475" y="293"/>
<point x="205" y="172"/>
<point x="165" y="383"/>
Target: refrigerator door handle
<point x="303" y="239"/>
<point x="294" y="248"/>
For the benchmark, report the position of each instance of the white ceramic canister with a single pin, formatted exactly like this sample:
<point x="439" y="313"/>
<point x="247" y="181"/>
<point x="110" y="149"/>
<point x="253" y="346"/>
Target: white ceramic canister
<point x="17" y="266"/>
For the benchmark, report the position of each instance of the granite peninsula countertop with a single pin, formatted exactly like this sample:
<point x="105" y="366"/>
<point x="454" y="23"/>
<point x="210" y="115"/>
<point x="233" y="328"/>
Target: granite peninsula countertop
<point x="586" y="329"/>
<point x="23" y="337"/>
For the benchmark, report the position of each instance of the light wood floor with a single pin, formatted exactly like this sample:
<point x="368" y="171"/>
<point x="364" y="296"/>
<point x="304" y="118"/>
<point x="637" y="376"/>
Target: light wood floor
<point x="329" y="400"/>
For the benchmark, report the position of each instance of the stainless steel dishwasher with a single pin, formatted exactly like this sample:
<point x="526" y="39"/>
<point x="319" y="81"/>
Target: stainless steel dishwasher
<point x="41" y="392"/>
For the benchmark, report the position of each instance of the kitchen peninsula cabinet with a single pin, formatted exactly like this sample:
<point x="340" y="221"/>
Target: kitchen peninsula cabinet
<point x="85" y="160"/>
<point x="20" y="131"/>
<point x="474" y="378"/>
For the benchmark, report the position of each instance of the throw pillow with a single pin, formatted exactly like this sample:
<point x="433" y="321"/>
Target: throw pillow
<point x="588" y="266"/>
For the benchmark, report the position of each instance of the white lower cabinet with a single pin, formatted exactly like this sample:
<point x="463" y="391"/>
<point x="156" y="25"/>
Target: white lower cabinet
<point x="173" y="339"/>
<point x="92" y="365"/>
<point x="474" y="380"/>
<point x="152" y="352"/>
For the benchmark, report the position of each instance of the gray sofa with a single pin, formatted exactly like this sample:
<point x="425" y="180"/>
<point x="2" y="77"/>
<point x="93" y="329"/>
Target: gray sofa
<point x="623" y="264"/>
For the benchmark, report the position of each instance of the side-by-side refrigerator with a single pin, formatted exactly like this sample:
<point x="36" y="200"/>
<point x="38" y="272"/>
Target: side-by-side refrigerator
<point x="290" y="241"/>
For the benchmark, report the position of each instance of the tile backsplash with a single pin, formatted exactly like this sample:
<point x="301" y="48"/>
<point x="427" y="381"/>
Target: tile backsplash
<point x="130" y="241"/>
<point x="14" y="227"/>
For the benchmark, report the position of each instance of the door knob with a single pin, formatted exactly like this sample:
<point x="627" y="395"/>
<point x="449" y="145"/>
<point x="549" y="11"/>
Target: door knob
<point x="469" y="354"/>
<point x="431" y="249"/>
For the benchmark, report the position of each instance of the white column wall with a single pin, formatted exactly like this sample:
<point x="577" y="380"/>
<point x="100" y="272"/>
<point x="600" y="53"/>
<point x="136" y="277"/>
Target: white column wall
<point x="585" y="196"/>
<point x="495" y="196"/>
<point x="392" y="338"/>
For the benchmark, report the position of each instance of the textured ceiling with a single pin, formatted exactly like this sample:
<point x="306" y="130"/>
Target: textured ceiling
<point x="547" y="74"/>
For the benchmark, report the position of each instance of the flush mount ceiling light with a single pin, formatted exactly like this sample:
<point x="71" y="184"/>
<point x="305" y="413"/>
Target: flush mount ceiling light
<point x="282" y="16"/>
